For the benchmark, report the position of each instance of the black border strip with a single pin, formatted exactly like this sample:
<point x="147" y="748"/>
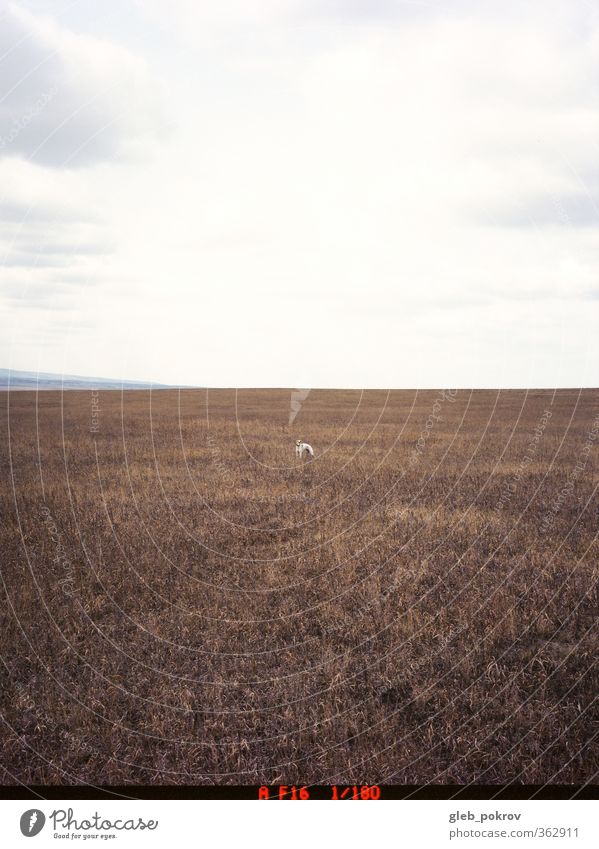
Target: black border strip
<point x="316" y="792"/>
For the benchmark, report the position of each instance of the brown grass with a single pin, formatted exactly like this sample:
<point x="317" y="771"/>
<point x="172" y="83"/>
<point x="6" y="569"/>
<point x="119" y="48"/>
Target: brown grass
<point x="185" y="602"/>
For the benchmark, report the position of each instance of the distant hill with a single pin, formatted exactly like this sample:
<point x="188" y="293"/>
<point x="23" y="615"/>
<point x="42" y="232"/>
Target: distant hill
<point x="13" y="379"/>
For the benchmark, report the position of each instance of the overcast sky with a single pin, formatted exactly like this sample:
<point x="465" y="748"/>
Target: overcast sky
<point x="301" y="192"/>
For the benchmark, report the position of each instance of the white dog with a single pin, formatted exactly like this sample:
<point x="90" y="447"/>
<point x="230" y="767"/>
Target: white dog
<point x="302" y="448"/>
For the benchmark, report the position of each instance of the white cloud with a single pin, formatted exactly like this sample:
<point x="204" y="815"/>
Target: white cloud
<point x="71" y="99"/>
<point x="347" y="199"/>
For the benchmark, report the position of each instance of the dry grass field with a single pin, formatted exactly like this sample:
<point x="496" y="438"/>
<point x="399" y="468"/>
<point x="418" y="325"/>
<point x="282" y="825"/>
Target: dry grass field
<point x="184" y="601"/>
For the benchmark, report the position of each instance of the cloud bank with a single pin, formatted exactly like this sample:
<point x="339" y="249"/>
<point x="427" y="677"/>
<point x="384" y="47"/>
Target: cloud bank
<point x="382" y="194"/>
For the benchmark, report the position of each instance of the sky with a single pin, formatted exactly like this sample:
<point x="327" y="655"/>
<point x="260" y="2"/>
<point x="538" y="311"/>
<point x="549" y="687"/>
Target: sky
<point x="301" y="193"/>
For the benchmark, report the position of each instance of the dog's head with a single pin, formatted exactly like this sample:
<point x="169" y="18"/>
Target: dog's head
<point x="298" y="442"/>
